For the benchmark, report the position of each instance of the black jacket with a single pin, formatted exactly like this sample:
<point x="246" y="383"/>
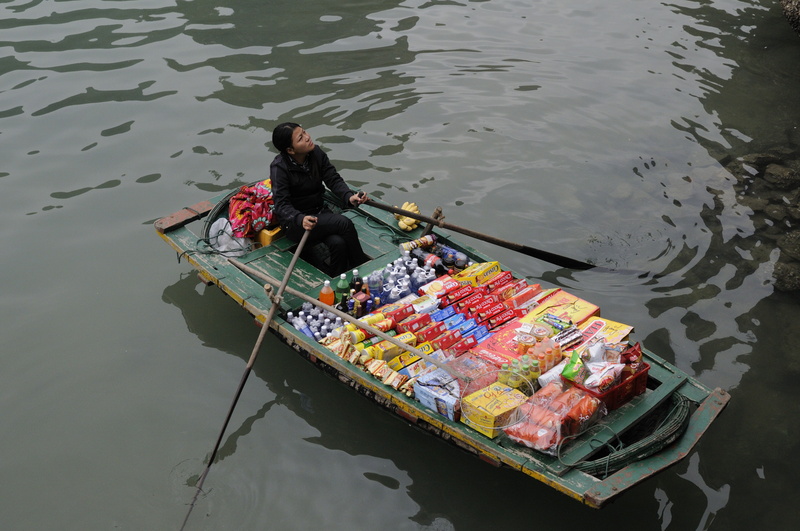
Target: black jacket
<point x="298" y="190"/>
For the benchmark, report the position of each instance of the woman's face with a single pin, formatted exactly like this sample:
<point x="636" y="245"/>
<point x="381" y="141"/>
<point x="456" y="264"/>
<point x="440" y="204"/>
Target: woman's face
<point x="302" y="144"/>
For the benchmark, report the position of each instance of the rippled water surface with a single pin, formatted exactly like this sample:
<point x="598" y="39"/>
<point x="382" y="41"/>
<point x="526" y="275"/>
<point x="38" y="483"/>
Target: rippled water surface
<point x="599" y="130"/>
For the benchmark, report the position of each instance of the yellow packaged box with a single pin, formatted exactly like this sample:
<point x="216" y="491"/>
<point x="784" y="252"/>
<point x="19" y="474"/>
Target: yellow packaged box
<point x="491" y="409"/>
<point x="267" y="236"/>
<point x="477" y="274"/>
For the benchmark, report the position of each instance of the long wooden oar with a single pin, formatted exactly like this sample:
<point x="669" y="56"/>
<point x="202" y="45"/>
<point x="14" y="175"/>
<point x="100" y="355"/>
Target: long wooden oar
<point x="248" y="369"/>
<point x="557" y="259"/>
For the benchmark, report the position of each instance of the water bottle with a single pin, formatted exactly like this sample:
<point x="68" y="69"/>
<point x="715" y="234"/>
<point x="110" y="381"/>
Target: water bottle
<point x="375" y="282"/>
<point x="300" y="325"/>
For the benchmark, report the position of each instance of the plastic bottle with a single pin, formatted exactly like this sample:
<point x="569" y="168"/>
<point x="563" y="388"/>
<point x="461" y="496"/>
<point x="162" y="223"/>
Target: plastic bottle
<point x="548" y="356"/>
<point x="342" y="286"/>
<point x="425" y="258"/>
<point x="515" y="379"/>
<point x="326" y="294"/>
<point x="375" y="283"/>
<point x="300" y="325"/>
<point x="356" y="282"/>
<point x="504" y="374"/>
<point x="525" y="385"/>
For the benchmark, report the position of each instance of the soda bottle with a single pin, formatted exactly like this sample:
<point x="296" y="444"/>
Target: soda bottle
<point x="356" y="282"/>
<point x="425" y="258"/>
<point x="326" y="294"/>
<point x="342" y="286"/>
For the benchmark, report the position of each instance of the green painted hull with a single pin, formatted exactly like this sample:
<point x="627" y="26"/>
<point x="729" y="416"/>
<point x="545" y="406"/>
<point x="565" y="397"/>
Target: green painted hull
<point x="587" y="481"/>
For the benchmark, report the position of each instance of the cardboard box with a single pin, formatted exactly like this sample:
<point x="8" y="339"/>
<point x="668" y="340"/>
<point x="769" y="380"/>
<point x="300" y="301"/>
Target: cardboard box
<point x="439" y="391"/>
<point x="442" y="314"/>
<point x="431" y="331"/>
<point x="492" y="408"/>
<point x="477" y="274"/>
<point x="413" y="322"/>
<point x="447" y="339"/>
<point x="439" y="287"/>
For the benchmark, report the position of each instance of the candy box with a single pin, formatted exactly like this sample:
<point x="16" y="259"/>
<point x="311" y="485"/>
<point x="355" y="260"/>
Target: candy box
<point x="425" y="304"/>
<point x="442" y="314"/>
<point x="491" y="409"/>
<point x="487" y="308"/>
<point x="413" y="322"/>
<point x="466" y="304"/>
<point x="397" y="311"/>
<point x="477" y="274"/>
<point x="463" y="345"/>
<point x="499" y="279"/>
<point x="501" y="319"/>
<point x="441" y="392"/>
<point x="430" y="331"/>
<point x="447" y="339"/>
<point x="509" y="289"/>
<point x="454" y="320"/>
<point x="523" y="298"/>
<point x="456" y="295"/>
<point x="439" y="287"/>
<point x="386" y="350"/>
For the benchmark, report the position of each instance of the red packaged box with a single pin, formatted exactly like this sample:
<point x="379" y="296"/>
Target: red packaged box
<point x="440" y="287"/>
<point x="488" y="310"/>
<point x="446" y="340"/>
<point x="430" y="331"/>
<point x="509" y="289"/>
<point x="463" y="345"/>
<point x="622" y="392"/>
<point x="499" y="319"/>
<point x="397" y="311"/>
<point x="456" y="295"/>
<point x="500" y="279"/>
<point x="524" y="297"/>
<point x="465" y="304"/>
<point x="413" y="322"/>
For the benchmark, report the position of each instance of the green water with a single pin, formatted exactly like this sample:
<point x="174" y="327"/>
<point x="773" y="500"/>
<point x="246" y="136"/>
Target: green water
<point x="601" y="131"/>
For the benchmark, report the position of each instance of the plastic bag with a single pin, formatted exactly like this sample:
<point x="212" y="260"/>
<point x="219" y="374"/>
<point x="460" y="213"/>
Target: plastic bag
<point x="222" y="240"/>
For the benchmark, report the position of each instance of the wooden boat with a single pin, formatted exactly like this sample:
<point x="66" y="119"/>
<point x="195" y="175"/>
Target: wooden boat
<point x="658" y="428"/>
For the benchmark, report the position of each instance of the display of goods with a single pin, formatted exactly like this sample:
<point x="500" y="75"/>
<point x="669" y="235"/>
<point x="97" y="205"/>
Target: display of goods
<point x="623" y="392"/>
<point x="492" y="408"/>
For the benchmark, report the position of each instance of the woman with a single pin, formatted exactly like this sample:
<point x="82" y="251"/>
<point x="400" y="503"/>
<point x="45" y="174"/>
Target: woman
<point x="299" y="175"/>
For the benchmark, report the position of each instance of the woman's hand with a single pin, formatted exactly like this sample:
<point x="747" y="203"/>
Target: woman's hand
<point x="359" y="198"/>
<point x="309" y="222"/>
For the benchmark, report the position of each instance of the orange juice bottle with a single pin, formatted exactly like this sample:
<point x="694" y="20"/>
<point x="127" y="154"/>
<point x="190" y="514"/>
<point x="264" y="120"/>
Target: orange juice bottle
<point x="326" y="294"/>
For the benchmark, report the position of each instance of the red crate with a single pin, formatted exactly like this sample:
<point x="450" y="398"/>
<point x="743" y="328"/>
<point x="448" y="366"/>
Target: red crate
<point x="623" y="391"/>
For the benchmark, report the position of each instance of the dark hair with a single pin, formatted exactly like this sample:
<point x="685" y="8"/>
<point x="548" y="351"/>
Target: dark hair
<point x="282" y="136"/>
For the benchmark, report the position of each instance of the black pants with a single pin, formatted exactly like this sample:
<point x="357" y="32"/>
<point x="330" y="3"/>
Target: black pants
<point x="339" y="235"/>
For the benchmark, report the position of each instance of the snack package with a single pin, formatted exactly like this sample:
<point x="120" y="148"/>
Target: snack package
<point x="550" y="424"/>
<point x="477" y="274"/>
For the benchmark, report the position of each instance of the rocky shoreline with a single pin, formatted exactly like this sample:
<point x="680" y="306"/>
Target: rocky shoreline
<point x="791" y="10"/>
<point x="769" y="184"/>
